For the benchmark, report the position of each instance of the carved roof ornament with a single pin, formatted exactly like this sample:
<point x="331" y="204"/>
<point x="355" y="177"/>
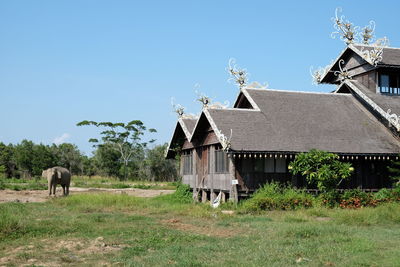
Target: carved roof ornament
<point x="177" y="108"/>
<point x="343" y="74"/>
<point x="318" y="74"/>
<point x="344" y="28"/>
<point x="203" y="99"/>
<point x="225" y="141"/>
<point x="375" y="55"/>
<point x="239" y="76"/>
<point x="394" y="119"/>
<point x="367" y="33"/>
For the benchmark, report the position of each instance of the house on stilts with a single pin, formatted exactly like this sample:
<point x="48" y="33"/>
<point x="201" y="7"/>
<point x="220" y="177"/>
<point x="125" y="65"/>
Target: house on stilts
<point x="236" y="150"/>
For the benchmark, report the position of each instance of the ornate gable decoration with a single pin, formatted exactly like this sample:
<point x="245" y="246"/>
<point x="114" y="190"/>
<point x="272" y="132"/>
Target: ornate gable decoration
<point x="352" y="35"/>
<point x="239" y="76"/>
<point x="374" y="55"/>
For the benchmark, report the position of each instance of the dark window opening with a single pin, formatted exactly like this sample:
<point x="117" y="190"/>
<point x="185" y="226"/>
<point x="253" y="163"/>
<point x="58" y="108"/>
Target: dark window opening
<point x="389" y="84"/>
<point x="221" y="161"/>
<point x="187" y="157"/>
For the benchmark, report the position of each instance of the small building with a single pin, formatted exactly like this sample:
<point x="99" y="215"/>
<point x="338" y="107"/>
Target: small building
<point x="236" y="150"/>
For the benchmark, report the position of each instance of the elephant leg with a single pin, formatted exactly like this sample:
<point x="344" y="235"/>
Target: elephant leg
<point x="54" y="188"/>
<point x="63" y="187"/>
<point x="67" y="189"/>
<point x="50" y="185"/>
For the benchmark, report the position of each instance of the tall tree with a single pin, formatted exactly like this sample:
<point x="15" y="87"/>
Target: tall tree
<point x="23" y="156"/>
<point x="126" y="139"/>
<point x="68" y="156"/>
<point x="6" y="160"/>
<point x="160" y="169"/>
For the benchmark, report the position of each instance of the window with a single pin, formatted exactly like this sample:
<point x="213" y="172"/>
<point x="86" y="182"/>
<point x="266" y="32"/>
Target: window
<point x="389" y="84"/>
<point x="221" y="161"/>
<point x="259" y="165"/>
<point x="275" y="165"/>
<point x="269" y="165"/>
<point x="384" y="83"/>
<point x="280" y="165"/>
<point x="187" y="162"/>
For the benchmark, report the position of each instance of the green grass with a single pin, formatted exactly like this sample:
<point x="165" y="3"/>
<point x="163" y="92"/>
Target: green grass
<point x="23" y="184"/>
<point x="166" y="230"/>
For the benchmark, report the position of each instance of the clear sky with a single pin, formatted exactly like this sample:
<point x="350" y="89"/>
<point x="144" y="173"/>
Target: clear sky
<point x="62" y="62"/>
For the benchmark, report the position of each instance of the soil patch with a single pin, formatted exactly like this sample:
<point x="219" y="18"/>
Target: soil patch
<point x="198" y="229"/>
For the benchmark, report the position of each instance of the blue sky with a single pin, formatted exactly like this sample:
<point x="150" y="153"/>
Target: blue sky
<point x="66" y="61"/>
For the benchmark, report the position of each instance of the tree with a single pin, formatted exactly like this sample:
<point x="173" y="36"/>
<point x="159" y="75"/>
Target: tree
<point x="160" y="169"/>
<point x="69" y="157"/>
<point x="23" y="156"/>
<point x="43" y="158"/>
<point x="6" y="160"/>
<point x="106" y="160"/>
<point x="321" y="168"/>
<point x="126" y="139"/>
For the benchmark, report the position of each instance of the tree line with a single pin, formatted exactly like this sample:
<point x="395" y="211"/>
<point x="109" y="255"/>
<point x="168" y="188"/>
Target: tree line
<point x="27" y="159"/>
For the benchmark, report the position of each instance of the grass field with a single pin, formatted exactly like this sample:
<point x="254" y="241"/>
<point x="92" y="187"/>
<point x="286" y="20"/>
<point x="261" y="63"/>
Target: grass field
<point x="102" y="229"/>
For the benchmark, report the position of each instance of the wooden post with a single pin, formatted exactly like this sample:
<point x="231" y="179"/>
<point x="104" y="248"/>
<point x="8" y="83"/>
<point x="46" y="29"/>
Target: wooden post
<point x="233" y="196"/>
<point x="223" y="197"/>
<point x="203" y="196"/>
<point x="195" y="176"/>
<point x="211" y="161"/>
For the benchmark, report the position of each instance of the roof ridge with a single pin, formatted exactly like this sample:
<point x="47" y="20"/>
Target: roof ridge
<point x="300" y="92"/>
<point x="385" y="47"/>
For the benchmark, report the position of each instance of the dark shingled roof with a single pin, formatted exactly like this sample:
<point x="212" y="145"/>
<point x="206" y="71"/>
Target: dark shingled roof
<point x="386" y="102"/>
<point x="298" y="122"/>
<point x="390" y="56"/>
<point x="190" y="123"/>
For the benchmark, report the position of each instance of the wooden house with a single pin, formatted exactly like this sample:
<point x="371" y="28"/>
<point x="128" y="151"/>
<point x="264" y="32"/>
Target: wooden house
<point x="236" y="150"/>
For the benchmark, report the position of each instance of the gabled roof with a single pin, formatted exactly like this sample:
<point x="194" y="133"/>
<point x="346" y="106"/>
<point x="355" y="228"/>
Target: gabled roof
<point x="390" y="57"/>
<point x="183" y="131"/>
<point x="384" y="105"/>
<point x="300" y="121"/>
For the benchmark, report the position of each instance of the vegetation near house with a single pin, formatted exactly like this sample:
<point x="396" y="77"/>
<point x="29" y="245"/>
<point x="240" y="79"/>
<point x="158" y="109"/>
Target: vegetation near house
<point x="126" y="139"/>
<point x="321" y="168"/>
<point x="27" y="160"/>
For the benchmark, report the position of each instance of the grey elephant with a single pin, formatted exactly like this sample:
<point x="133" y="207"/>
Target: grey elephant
<point x="57" y="175"/>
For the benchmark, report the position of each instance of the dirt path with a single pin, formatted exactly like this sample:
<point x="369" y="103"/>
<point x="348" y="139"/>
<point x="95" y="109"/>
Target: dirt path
<point x="42" y="195"/>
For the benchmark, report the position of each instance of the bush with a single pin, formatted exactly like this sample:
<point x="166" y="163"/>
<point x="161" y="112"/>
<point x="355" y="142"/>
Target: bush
<point x="182" y="194"/>
<point x="330" y="198"/>
<point x="321" y="168"/>
<point x="355" y="198"/>
<point x="274" y="196"/>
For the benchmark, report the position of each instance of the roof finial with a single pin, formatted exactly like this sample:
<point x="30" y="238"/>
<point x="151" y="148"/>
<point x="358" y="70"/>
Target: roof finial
<point x="367" y="33"/>
<point x="202" y="98"/>
<point x="345" y="29"/>
<point x="178" y="109"/>
<point x="317" y="75"/>
<point x="239" y="76"/>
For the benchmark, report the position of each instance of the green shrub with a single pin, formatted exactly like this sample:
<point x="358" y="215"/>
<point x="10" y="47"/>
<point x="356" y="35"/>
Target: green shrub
<point x="274" y="196"/>
<point x="330" y="199"/>
<point x="321" y="168"/>
<point x="356" y="198"/>
<point x="383" y="195"/>
<point x="181" y="195"/>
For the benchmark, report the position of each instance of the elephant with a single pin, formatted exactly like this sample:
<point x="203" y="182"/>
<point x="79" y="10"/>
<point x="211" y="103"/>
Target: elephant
<point x="57" y="175"/>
